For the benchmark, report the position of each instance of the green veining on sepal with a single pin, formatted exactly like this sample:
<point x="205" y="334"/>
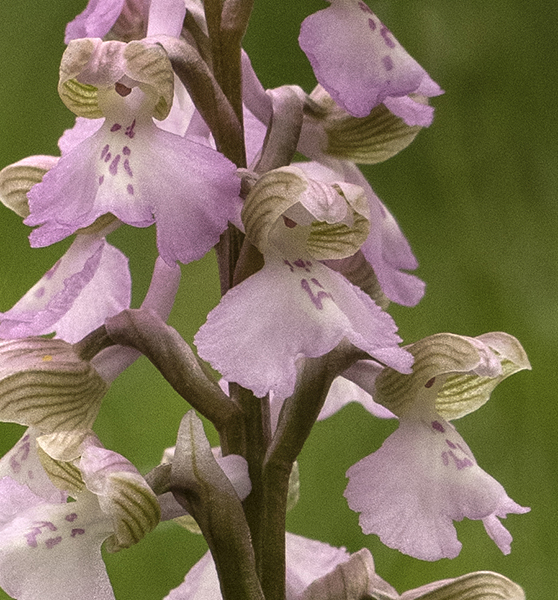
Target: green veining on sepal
<point x="459" y="373"/>
<point x="482" y="585"/>
<point x="17" y="179"/>
<point x="44" y="384"/>
<point x="80" y="98"/>
<point x="368" y="140"/>
<point x="133" y="507"/>
<point x="287" y="191"/>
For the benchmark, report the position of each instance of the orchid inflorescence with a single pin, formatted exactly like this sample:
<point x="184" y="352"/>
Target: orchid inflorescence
<point x="174" y="129"/>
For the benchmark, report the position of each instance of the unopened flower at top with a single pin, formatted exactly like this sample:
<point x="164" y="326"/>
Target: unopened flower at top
<point x="129" y="167"/>
<point x="358" y="61"/>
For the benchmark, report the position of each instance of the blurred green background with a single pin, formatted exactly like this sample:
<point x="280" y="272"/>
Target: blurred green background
<point x="476" y="196"/>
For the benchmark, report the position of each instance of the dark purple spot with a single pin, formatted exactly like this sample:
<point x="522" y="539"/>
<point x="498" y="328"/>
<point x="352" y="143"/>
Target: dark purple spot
<point x="108" y="156"/>
<point x="388" y="63"/>
<point x="31" y="536"/>
<point x="438" y="426"/>
<point x="316" y="298"/>
<point x="127" y="167"/>
<point x="71" y="517"/>
<point x="40" y="292"/>
<point x="116" y="127"/>
<point x="130" y="189"/>
<point x="122" y="90"/>
<point x="51" y="272"/>
<point x="303" y="264"/>
<point x="104" y="151"/>
<point x="445" y="459"/>
<point x="126" y="151"/>
<point x="113" y="169"/>
<point x="461" y="463"/>
<point x="77" y="532"/>
<point x="316" y="282"/>
<point x="30" y="475"/>
<point x="372" y="24"/>
<point x="430" y="382"/>
<point x="451" y="444"/>
<point x="51" y="542"/>
<point x="130" y="130"/>
<point x="289" y="222"/>
<point x="101" y="179"/>
<point x="364" y="7"/>
<point x="286" y="262"/>
<point x="385" y="33"/>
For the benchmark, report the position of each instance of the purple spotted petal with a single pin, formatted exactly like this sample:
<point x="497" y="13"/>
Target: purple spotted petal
<point x="43" y="546"/>
<point x="142" y="175"/>
<point x="90" y="283"/>
<point x="290" y="310"/>
<point x="22" y="464"/>
<point x="422" y="479"/>
<point x="356" y="58"/>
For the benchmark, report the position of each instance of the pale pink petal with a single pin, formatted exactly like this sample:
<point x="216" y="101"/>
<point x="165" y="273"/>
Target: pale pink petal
<point x="422" y="479"/>
<point x="95" y="21"/>
<point x="356" y="58"/>
<point x="290" y="310"/>
<point x="343" y="391"/>
<point x="51" y="551"/>
<point x="22" y="464"/>
<point x="140" y="174"/>
<point x="90" y="283"/>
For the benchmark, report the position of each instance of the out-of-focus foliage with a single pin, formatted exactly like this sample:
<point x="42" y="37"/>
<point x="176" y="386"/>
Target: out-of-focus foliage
<point x="476" y="194"/>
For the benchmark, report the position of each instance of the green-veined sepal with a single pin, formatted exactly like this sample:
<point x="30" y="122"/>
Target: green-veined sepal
<point x="46" y="385"/>
<point x="482" y="585"/>
<point x="289" y="212"/>
<point x="458" y="372"/>
<point x="368" y="140"/>
<point x="17" y="179"/>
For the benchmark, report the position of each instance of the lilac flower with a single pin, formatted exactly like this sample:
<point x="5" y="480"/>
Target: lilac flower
<point x="425" y="476"/>
<point x="129" y="167"/>
<point x="51" y="549"/>
<point x="358" y="61"/>
<point x="295" y="306"/>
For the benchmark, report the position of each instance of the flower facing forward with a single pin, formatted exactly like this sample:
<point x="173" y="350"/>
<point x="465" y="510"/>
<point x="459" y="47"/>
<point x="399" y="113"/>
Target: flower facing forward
<point x="295" y="306"/>
<point x="425" y="476"/>
<point x="128" y="166"/>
